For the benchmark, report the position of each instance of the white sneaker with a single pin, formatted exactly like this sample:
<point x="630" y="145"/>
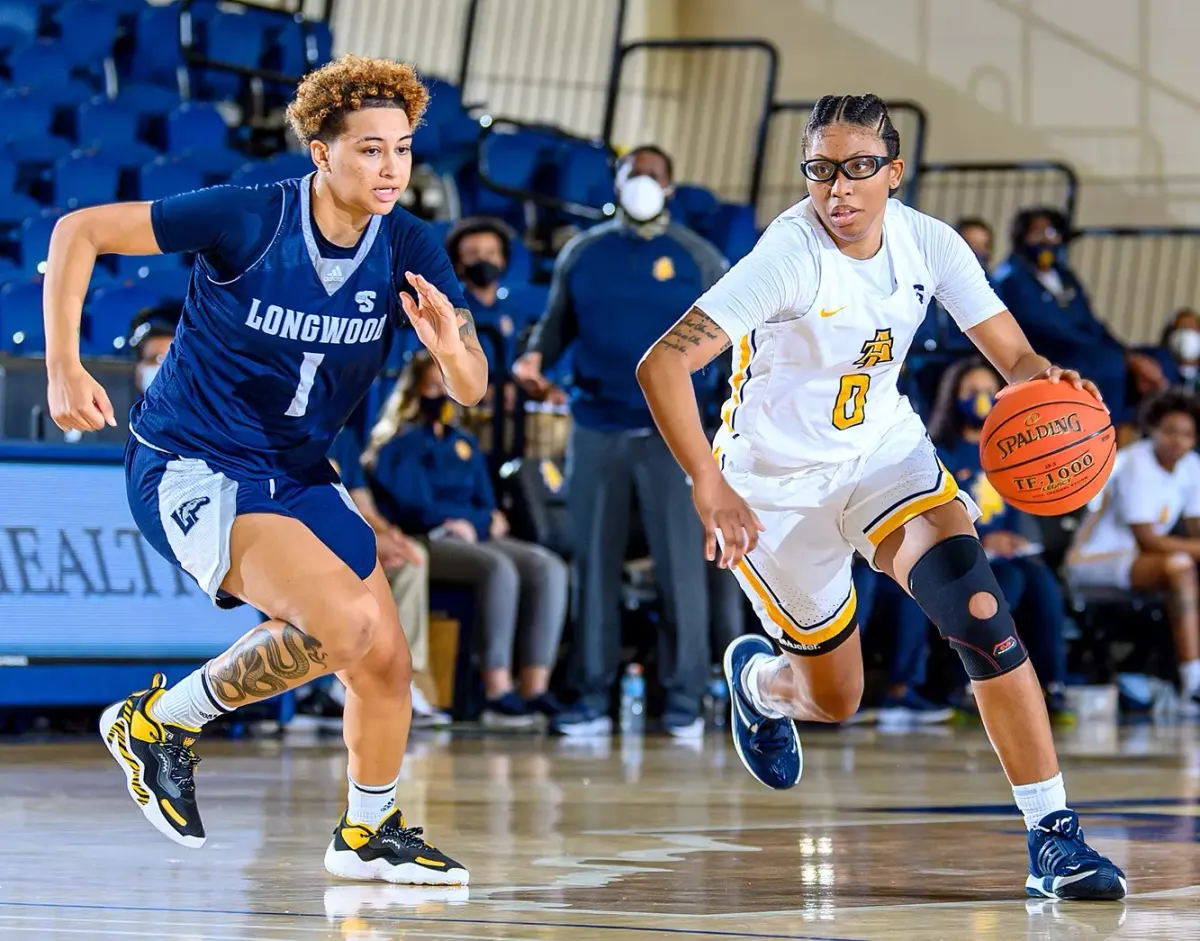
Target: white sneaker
<point x="424" y="716"/>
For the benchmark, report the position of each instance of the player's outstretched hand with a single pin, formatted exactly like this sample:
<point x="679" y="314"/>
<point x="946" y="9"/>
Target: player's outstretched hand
<point x="433" y="316"/>
<point x="78" y="402"/>
<point x="722" y="510"/>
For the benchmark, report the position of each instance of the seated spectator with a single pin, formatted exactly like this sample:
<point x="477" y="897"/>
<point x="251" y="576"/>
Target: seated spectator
<point x="151" y="333"/>
<point x="1038" y="286"/>
<point x="405" y="563"/>
<point x="1181" y="338"/>
<point x="1010" y="539"/>
<point x="1126" y="542"/>
<point x="436" y="485"/>
<point x="977" y="234"/>
<point x="480" y="249"/>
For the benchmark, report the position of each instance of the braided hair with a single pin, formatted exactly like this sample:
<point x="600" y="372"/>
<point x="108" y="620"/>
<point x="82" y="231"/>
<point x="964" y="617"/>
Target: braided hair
<point x="867" y="111"/>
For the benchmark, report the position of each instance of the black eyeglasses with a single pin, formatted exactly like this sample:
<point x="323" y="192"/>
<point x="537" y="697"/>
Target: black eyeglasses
<point x="856" y="168"/>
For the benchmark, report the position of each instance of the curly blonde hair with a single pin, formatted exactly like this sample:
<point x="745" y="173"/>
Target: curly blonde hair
<point x="352" y="83"/>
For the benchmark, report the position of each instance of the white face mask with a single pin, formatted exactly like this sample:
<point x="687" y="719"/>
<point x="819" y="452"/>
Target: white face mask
<point x="145" y="374"/>
<point x="642" y="198"/>
<point x="1185" y="344"/>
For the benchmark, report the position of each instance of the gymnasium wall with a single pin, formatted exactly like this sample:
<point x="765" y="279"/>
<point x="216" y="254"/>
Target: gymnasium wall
<point x="1107" y="85"/>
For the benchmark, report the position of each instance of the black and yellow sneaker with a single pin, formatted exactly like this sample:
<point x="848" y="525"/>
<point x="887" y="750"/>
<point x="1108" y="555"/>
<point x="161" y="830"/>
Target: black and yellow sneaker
<point x="392" y="852"/>
<point x="157" y="760"/>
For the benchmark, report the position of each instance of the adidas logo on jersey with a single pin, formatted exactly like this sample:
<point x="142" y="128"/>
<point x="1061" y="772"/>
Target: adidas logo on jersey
<point x="316" y="328"/>
<point x="333" y="274"/>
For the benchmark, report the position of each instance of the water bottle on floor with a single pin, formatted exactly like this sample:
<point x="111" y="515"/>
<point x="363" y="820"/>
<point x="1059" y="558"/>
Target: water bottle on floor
<point x="633" y="699"/>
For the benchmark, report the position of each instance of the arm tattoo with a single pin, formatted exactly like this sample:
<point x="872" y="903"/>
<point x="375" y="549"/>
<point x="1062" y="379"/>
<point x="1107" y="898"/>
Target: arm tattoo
<point x="692" y="331"/>
<point x="468" y="327"/>
<point x="264" y="663"/>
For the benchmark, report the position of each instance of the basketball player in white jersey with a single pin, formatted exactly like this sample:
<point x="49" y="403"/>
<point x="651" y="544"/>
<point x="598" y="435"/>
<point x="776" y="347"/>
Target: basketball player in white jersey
<point x="1126" y="541"/>
<point x="820" y="456"/>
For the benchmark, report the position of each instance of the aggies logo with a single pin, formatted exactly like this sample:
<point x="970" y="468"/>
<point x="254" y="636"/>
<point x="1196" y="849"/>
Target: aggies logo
<point x="877" y="350"/>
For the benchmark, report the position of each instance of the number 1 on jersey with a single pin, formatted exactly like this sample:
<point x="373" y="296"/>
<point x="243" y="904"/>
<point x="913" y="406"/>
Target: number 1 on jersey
<point x="848" y="410"/>
<point x="308" y="372"/>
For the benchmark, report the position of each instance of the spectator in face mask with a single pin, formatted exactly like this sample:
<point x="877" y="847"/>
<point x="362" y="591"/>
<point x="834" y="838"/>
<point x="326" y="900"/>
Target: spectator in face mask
<point x="1047" y="299"/>
<point x="150" y="338"/>
<point x="616" y="289"/>
<point x="480" y="249"/>
<point x="1181" y="339"/>
<point x="977" y="234"/>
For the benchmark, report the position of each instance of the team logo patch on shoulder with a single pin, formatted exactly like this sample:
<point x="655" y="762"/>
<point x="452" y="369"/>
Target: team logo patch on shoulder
<point x="664" y="269"/>
<point x="463" y="449"/>
<point x="919" y="289"/>
<point x="187" y="513"/>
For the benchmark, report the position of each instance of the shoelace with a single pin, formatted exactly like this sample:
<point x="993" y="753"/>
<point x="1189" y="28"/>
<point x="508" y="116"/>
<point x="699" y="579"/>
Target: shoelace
<point x="393" y="834"/>
<point x="183" y="760"/>
<point x="1059" y="851"/>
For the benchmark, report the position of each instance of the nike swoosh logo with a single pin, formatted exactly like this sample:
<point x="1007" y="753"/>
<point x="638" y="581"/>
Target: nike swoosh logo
<point x="830" y="313"/>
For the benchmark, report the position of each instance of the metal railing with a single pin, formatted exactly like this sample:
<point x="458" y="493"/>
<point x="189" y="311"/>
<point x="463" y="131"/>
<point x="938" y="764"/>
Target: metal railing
<point x="995" y="192"/>
<point x="783" y="183"/>
<point x="1136" y="278"/>
<point x="707" y="102"/>
<point x="542" y="61"/>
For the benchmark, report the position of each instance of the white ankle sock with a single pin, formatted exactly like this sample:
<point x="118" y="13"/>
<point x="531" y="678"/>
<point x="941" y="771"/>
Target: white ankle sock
<point x="1189" y="677"/>
<point x="370" y="804"/>
<point x="750" y="684"/>
<point x="1037" y="800"/>
<point x="190" y="702"/>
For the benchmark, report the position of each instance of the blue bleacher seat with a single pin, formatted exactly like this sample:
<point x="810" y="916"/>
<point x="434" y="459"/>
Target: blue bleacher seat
<point x="235" y="39"/>
<point x="110" y="312"/>
<point x="734" y="231"/>
<point x="169" y="284"/>
<point x="132" y="267"/>
<point x="585" y="175"/>
<point x="21" y="327"/>
<point x="199" y="132"/>
<point x="295" y="44"/>
<point x="157" y="58"/>
<point x="112" y="128"/>
<point x="45" y="67"/>
<point x="14" y="206"/>
<point x="84" y="180"/>
<point x="166" y="177"/>
<point x="693" y="206"/>
<point x="146" y="99"/>
<point x="34" y="238"/>
<point x="88" y="29"/>
<point x="18" y="22"/>
<point x="25" y="118"/>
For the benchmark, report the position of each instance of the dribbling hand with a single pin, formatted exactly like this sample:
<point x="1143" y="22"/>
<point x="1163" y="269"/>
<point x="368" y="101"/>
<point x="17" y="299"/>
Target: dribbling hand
<point x="1058" y="374"/>
<point x="78" y="402"/>
<point x="722" y="510"/>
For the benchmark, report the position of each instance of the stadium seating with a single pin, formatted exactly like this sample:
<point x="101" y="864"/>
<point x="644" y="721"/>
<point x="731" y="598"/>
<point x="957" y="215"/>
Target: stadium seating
<point x="21" y="327"/>
<point x="110" y="312"/>
<point x="84" y="180"/>
<point x="18" y="23"/>
<point x="167" y="177"/>
<point x="87" y="29"/>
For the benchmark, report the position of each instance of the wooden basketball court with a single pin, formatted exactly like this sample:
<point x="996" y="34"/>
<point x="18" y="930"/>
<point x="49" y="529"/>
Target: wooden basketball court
<point x="889" y="836"/>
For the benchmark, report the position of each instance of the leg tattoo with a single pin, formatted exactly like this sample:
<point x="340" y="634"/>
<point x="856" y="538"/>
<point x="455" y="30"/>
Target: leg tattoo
<point x="264" y="663"/>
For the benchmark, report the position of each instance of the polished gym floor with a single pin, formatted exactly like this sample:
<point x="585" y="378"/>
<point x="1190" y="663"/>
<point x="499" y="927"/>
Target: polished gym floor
<point x="890" y="835"/>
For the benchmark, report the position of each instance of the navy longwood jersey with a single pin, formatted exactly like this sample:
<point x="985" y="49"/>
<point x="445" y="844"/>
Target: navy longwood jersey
<point x="266" y="368"/>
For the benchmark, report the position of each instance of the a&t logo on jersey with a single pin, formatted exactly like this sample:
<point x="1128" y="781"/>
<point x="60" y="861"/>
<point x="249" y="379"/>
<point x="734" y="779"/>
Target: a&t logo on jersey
<point x="188" y="512"/>
<point x="876" y="350"/>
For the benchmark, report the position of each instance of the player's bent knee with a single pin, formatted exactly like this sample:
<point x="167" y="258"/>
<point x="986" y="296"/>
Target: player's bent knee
<point x="957" y="589"/>
<point x="346" y="627"/>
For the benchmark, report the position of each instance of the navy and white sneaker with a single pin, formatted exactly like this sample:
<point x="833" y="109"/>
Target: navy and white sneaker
<point x="769" y="748"/>
<point x="1063" y="866"/>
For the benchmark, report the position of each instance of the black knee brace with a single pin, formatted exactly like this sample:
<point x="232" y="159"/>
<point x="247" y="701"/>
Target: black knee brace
<point x="943" y="582"/>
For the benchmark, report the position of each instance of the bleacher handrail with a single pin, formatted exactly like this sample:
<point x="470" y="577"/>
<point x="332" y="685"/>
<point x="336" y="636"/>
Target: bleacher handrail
<point x="986" y="166"/>
<point x="772" y="75"/>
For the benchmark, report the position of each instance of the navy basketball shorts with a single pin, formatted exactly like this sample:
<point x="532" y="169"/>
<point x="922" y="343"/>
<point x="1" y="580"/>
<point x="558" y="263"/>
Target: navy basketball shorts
<point x="185" y="510"/>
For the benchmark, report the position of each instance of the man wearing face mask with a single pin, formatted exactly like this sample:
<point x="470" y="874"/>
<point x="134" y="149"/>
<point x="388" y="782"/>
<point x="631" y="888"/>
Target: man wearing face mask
<point x="1048" y="301"/>
<point x="616" y="289"/>
<point x="150" y="337"/>
<point x="1181" y="339"/>
<point x="480" y="248"/>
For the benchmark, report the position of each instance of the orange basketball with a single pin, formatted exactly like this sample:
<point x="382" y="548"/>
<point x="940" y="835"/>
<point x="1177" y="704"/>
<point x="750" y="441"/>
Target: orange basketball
<point x="1047" y="447"/>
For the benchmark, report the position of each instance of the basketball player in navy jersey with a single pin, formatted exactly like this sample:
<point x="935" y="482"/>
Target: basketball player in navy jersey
<point x="296" y="291"/>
